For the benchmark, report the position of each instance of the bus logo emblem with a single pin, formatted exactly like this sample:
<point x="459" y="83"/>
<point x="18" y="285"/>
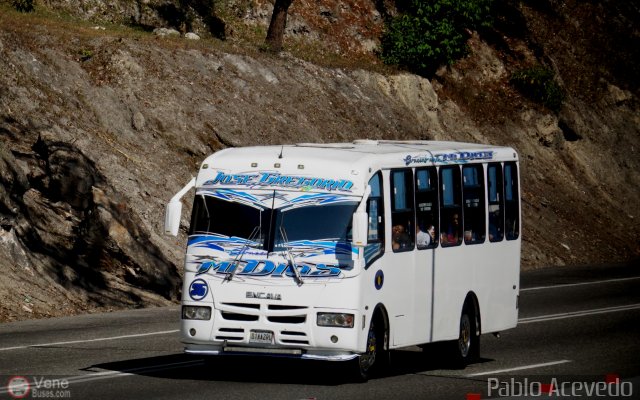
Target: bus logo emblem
<point x="264" y="296"/>
<point x="198" y="289"/>
<point x="379" y="279"/>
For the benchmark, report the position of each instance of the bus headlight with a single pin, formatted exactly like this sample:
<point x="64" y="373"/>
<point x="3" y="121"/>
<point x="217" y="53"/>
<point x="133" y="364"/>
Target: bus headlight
<point x="196" y="312"/>
<point x="340" y="320"/>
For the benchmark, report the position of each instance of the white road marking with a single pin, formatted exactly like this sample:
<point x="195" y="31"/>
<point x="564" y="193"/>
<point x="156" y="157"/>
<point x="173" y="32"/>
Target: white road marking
<point x="531" y="366"/>
<point x="574" y="314"/>
<point x="579" y="284"/>
<point x="90" y="340"/>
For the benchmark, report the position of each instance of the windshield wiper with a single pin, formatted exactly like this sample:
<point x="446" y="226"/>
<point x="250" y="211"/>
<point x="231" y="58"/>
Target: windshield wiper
<point x="290" y="258"/>
<point x="236" y="261"/>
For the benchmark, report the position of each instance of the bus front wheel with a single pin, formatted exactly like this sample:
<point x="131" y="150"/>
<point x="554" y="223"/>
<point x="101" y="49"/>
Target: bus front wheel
<point x="375" y="358"/>
<point x="467" y="348"/>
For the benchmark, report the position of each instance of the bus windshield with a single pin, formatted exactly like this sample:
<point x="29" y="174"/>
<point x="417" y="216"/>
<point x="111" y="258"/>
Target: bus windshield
<point x="231" y="219"/>
<point x="264" y="228"/>
<point x="329" y="222"/>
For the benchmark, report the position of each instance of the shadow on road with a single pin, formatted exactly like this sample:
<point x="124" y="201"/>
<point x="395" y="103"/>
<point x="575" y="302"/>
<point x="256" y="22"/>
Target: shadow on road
<point x="271" y="370"/>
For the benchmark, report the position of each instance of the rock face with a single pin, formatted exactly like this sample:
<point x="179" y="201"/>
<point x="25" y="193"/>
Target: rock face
<point x="98" y="130"/>
<point x="76" y="240"/>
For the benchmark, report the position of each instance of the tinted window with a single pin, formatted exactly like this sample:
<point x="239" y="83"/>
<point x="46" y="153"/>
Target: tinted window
<point x="496" y="202"/>
<point x="426" y="208"/>
<point x="511" y="201"/>
<point x="402" y="225"/>
<point x="375" y="210"/>
<point x="212" y="215"/>
<point x="331" y="222"/>
<point x="473" y="197"/>
<point x="450" y="206"/>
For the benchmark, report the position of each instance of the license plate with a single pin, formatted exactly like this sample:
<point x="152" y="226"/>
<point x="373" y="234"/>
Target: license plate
<point x="264" y="337"/>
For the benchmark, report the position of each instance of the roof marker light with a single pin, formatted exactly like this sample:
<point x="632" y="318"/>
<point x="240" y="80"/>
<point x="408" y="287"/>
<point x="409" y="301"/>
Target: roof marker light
<point x="300" y="166"/>
<point x="276" y="165"/>
<point x="254" y="164"/>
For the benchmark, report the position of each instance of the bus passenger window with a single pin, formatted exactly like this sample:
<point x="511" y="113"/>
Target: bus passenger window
<point x="450" y="206"/>
<point x="496" y="202"/>
<point x="427" y="228"/>
<point x="403" y="230"/>
<point x="511" y="200"/>
<point x="473" y="197"/>
<point x="375" y="210"/>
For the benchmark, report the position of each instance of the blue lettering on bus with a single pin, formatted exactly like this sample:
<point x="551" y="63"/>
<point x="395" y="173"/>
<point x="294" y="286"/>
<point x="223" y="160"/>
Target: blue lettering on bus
<point x="325" y="270"/>
<point x="276" y="179"/>
<point x="462" y="156"/>
<point x="304" y="270"/>
<point x="220" y="267"/>
<point x="251" y="268"/>
<point x="258" y="268"/>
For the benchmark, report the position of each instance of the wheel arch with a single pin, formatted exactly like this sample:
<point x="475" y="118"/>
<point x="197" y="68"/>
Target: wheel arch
<point x="471" y="301"/>
<point x="380" y="314"/>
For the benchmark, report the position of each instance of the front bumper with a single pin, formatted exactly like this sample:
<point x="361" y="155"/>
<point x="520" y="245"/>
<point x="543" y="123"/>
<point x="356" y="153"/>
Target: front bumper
<point x="323" y="355"/>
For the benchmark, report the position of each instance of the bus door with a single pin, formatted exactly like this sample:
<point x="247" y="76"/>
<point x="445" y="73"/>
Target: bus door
<point x="427" y="238"/>
<point x="411" y="255"/>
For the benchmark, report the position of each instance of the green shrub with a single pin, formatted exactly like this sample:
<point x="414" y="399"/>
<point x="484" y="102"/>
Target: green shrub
<point x="85" y="55"/>
<point x="538" y="84"/>
<point x="431" y="33"/>
<point x="23" y="5"/>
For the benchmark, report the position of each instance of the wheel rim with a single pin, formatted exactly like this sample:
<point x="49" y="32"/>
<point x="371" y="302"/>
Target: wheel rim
<point x="369" y="358"/>
<point x="464" y="341"/>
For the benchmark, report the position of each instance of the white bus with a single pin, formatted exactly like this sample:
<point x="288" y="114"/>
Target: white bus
<point x="344" y="251"/>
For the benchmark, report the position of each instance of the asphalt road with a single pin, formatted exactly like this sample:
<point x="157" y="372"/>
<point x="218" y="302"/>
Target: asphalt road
<point x="579" y="330"/>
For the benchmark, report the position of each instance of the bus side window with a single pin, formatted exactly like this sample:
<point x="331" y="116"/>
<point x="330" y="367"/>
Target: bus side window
<point x="450" y="206"/>
<point x="473" y="197"/>
<point x="511" y="197"/>
<point x="402" y="225"/>
<point x="375" y="210"/>
<point x="427" y="227"/>
<point x="496" y="202"/>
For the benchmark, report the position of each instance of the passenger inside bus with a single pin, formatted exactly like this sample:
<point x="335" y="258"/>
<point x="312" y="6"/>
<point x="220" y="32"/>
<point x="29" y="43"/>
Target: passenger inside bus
<point x="424" y="239"/>
<point x="400" y="238"/>
<point x="452" y="233"/>
<point x="495" y="230"/>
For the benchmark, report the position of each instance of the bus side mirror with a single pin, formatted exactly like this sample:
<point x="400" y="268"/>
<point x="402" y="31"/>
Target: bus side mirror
<point x="360" y="228"/>
<point x="172" y="216"/>
<point x="173" y="212"/>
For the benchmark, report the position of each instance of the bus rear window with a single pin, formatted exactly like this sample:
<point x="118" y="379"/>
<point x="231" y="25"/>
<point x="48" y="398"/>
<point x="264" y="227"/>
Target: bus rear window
<point x="511" y="200"/>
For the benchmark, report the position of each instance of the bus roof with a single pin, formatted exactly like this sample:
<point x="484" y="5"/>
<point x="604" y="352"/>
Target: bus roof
<point x="355" y="161"/>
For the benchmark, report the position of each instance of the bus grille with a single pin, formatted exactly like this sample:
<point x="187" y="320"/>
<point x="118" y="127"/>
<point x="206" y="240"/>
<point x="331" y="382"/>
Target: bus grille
<point x="290" y="337"/>
<point x="230" y="334"/>
<point x="288" y="319"/>
<point x="229" y="316"/>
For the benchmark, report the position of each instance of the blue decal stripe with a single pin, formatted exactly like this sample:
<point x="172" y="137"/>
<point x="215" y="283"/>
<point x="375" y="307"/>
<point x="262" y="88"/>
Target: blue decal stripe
<point x="233" y="245"/>
<point x="323" y="247"/>
<point x="234" y="195"/>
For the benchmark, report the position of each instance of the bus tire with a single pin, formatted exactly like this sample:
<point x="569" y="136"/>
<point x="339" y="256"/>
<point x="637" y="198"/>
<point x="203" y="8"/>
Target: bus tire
<point x="376" y="358"/>
<point x="466" y="349"/>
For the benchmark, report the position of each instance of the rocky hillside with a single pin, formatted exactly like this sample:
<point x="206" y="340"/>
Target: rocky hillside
<point x="101" y="121"/>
